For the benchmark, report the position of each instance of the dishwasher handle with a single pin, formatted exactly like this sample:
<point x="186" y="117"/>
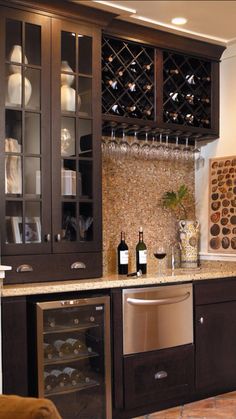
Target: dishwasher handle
<point x="170" y="300"/>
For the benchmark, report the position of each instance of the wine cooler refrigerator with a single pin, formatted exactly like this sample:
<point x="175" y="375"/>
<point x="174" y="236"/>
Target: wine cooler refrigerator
<point x="73" y="350"/>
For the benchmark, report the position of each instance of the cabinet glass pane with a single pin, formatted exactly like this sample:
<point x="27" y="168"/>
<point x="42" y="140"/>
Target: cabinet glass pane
<point x="33" y="43"/>
<point x="13" y="174"/>
<point x="13" y="221"/>
<point x="13" y="131"/>
<point x="32" y="88"/>
<point x="68" y="178"/>
<point x="86" y="221"/>
<point x="32" y="222"/>
<point x="68" y="136"/>
<point x="85" y="92"/>
<point x="69" y="222"/>
<point x="68" y="42"/>
<point x="32" y="176"/>
<point x="86" y="172"/>
<point x="32" y="143"/>
<point x="85" y="54"/>
<point x="85" y="138"/>
<point x="13" y="40"/>
<point x="13" y="91"/>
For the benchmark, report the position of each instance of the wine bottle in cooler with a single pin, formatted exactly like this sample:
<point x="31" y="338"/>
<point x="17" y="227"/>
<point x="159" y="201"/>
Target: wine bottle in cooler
<point x="78" y="346"/>
<point x="76" y="376"/>
<point x="49" y="350"/>
<point x="123" y="256"/>
<point x="141" y="254"/>
<point x="50" y="381"/>
<point x="63" y="348"/>
<point x="62" y="379"/>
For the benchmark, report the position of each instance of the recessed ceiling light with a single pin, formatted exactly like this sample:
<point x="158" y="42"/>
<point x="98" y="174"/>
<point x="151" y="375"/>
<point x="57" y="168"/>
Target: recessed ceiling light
<point x="116" y="6"/>
<point x="179" y="20"/>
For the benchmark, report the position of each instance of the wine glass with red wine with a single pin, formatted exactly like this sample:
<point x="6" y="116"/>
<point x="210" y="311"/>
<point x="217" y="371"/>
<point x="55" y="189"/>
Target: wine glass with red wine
<point x="160" y="254"/>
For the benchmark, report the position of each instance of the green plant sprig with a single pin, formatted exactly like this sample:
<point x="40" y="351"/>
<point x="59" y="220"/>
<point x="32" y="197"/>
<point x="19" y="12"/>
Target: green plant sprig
<point x="177" y="201"/>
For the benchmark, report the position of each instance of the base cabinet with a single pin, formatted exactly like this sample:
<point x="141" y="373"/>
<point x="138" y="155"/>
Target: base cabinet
<point x="158" y="376"/>
<point x="215" y="336"/>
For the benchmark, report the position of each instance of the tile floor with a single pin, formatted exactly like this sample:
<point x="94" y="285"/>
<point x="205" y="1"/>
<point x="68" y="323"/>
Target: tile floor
<point x="219" y="407"/>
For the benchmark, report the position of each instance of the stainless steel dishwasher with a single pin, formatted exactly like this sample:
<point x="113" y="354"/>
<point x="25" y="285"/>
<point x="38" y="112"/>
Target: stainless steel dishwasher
<point x="157" y="317"/>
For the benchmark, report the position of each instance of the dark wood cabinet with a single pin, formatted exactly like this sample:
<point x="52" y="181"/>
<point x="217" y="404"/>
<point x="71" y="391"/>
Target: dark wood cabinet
<point x="215" y="336"/>
<point x="158" y="376"/>
<point x="50" y="147"/>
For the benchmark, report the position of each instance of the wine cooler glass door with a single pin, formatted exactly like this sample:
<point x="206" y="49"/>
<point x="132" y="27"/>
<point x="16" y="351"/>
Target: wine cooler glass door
<point x="73" y="342"/>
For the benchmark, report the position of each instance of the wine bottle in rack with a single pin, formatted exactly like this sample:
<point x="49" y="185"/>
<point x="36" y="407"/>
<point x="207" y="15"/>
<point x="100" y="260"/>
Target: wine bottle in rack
<point x="147" y="87"/>
<point x="172" y="116"/>
<point x="117" y="110"/>
<point x="62" y="378"/>
<point x="192" y="79"/>
<point x="141" y="254"/>
<point x="50" y="321"/>
<point x="76" y="376"/>
<point x="205" y="79"/>
<point x="191" y="99"/>
<point x="205" y="100"/>
<point x="133" y="111"/>
<point x="205" y="122"/>
<point x="109" y="58"/>
<point x="50" y="381"/>
<point x="175" y="96"/>
<point x="63" y="348"/>
<point x="133" y="67"/>
<point x="112" y="83"/>
<point x="131" y="86"/>
<point x="189" y="118"/>
<point x="147" y="112"/>
<point x="123" y="255"/>
<point x="49" y="350"/>
<point x="147" y="67"/>
<point x="78" y="346"/>
<point x="120" y="72"/>
<point x="172" y="71"/>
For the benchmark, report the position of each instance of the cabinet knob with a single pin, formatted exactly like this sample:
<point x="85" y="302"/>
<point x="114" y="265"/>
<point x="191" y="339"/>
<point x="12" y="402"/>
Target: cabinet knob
<point x="24" y="268"/>
<point x="201" y="320"/>
<point x="58" y="237"/>
<point x="47" y="237"/>
<point x="160" y="374"/>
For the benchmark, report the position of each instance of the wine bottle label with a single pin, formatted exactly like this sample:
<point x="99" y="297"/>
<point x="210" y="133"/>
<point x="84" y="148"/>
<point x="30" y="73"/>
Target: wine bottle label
<point x="124" y="257"/>
<point x="142" y="257"/>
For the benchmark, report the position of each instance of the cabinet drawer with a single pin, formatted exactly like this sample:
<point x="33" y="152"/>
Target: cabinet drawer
<point x="215" y="291"/>
<point x="158" y="376"/>
<point x="57" y="267"/>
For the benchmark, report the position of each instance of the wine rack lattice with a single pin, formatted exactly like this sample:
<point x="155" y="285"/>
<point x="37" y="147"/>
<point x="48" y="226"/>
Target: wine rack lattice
<point x="127" y="79"/>
<point x="186" y="90"/>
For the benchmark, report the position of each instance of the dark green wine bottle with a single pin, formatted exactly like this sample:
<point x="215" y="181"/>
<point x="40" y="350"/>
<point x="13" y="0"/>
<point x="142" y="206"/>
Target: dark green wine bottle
<point x="141" y="254"/>
<point x="123" y="256"/>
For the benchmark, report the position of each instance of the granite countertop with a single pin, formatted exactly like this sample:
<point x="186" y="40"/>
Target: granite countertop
<point x="116" y="281"/>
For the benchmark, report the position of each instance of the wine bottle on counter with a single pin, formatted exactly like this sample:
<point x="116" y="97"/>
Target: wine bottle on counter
<point x="123" y="256"/>
<point x="63" y="348"/>
<point x="141" y="254"/>
<point x="62" y="379"/>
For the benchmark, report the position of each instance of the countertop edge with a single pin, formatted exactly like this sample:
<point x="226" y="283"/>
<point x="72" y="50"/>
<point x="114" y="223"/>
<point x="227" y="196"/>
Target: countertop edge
<point x="112" y="281"/>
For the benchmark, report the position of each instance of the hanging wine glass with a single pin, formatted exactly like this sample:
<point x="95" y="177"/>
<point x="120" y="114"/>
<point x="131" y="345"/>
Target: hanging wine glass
<point x="186" y="151"/>
<point x="153" y="145"/>
<point x="124" y="144"/>
<point x="112" y="143"/>
<point x="135" y="145"/>
<point x="160" y="146"/>
<point x="145" y="149"/>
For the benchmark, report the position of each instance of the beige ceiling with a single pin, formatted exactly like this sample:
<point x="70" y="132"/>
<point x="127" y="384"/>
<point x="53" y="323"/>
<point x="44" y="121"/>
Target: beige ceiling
<point x="211" y="20"/>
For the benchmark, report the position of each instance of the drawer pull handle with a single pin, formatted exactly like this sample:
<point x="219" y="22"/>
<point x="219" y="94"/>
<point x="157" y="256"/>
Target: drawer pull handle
<point x="24" y="268"/>
<point x="160" y="374"/>
<point x="78" y="265"/>
<point x="201" y="320"/>
<point x="170" y="300"/>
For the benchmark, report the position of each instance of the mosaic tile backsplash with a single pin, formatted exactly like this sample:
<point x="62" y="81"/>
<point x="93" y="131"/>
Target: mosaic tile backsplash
<point x="132" y="189"/>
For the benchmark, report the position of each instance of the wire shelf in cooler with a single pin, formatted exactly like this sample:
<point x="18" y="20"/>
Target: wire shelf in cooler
<point x="69" y="358"/>
<point x="72" y="389"/>
<point x="64" y="328"/>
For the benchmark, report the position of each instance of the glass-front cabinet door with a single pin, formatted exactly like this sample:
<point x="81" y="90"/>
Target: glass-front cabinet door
<point x="25" y="132"/>
<point x="73" y="356"/>
<point x="76" y="126"/>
